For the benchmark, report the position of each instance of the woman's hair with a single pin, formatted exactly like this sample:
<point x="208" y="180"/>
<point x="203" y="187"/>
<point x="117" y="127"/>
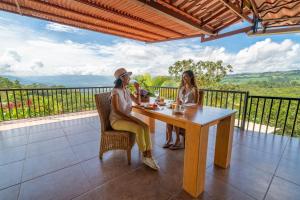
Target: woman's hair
<point x="190" y="73"/>
<point x="118" y="83"/>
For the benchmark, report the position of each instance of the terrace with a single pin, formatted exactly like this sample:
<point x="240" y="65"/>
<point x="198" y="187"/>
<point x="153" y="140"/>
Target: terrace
<point x="55" y="155"/>
<point x="49" y="137"/>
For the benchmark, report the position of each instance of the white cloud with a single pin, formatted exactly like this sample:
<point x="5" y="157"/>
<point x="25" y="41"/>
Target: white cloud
<point x="61" y="28"/>
<point x="26" y="52"/>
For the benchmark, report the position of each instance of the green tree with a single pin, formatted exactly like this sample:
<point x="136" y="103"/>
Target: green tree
<point x="208" y="73"/>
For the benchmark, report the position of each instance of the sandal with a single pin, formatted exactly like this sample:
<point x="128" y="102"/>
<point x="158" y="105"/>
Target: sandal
<point x="176" y="147"/>
<point x="167" y="145"/>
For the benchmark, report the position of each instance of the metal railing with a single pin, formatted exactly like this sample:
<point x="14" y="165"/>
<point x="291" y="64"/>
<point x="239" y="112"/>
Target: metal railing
<point x="278" y="115"/>
<point x="261" y="114"/>
<point x="28" y="103"/>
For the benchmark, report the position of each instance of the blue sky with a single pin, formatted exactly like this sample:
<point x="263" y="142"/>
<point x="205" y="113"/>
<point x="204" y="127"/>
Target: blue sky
<point x="35" y="47"/>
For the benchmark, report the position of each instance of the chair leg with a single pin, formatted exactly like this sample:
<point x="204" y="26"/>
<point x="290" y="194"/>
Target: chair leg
<point x="101" y="154"/>
<point x="129" y="156"/>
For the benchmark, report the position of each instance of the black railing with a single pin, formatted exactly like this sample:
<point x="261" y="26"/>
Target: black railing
<point x="261" y="114"/>
<point x="28" y="103"/>
<point x="277" y="115"/>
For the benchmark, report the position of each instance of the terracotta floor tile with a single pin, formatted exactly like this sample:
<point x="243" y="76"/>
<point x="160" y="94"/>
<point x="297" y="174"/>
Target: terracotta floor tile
<point x="67" y="183"/>
<point x="10" y="193"/>
<point x="12" y="154"/>
<point x="281" y="189"/>
<point x="10" y="174"/>
<point x="46" y="163"/>
<point x="43" y="147"/>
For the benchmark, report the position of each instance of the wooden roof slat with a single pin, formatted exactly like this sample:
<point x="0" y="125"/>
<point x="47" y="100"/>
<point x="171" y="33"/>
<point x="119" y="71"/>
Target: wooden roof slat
<point x="132" y="19"/>
<point x="96" y="20"/>
<point x="161" y="20"/>
<point x="208" y="4"/>
<point x="177" y="15"/>
<point x="66" y="21"/>
<point x="236" y="10"/>
<point x="192" y="5"/>
<point x="217" y="14"/>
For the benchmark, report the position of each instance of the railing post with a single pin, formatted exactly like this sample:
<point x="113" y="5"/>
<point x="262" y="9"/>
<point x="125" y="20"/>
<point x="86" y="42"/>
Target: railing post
<point x="245" y="110"/>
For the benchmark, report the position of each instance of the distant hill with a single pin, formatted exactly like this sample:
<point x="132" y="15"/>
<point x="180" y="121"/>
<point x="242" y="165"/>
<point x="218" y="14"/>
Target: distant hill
<point x="66" y="80"/>
<point x="282" y="76"/>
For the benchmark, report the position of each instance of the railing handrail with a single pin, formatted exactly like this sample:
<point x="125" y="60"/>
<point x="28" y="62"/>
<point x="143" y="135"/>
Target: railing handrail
<point x="279" y="114"/>
<point x="271" y="97"/>
<point x="203" y="89"/>
<point x="52" y="88"/>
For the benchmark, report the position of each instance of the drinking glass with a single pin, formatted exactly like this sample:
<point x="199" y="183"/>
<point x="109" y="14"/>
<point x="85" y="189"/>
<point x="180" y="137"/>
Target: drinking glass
<point x="156" y="93"/>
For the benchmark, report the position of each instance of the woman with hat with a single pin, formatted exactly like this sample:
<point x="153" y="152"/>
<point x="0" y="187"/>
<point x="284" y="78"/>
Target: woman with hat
<point x="121" y="118"/>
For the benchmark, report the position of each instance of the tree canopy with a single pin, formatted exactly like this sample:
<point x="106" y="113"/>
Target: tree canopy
<point x="208" y="73"/>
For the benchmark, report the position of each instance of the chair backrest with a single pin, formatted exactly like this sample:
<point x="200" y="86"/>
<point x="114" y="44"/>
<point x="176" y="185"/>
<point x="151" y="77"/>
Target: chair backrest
<point x="103" y="108"/>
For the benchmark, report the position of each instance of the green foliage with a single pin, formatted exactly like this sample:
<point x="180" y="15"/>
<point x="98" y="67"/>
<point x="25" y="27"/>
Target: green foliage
<point x="6" y="83"/>
<point x="208" y="73"/>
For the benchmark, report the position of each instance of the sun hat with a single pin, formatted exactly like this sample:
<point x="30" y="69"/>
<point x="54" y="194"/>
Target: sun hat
<point x="121" y="72"/>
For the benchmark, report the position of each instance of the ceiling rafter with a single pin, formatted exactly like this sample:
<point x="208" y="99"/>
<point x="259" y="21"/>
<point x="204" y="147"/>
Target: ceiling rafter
<point x="70" y="22"/>
<point x="177" y="15"/>
<point x="207" y="3"/>
<point x="192" y="5"/>
<point x="128" y="16"/>
<point x="214" y="16"/>
<point x="254" y="8"/>
<point x="95" y="19"/>
<point x="238" y="11"/>
<point x="230" y="33"/>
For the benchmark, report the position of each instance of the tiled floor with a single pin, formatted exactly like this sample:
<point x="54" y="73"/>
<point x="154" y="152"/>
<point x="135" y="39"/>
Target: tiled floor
<point x="59" y="160"/>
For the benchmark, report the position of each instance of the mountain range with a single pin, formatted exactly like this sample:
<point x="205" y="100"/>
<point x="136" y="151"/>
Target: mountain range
<point x="96" y="81"/>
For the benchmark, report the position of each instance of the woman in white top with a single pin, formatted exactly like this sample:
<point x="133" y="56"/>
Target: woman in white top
<point x="188" y="93"/>
<point x="121" y="118"/>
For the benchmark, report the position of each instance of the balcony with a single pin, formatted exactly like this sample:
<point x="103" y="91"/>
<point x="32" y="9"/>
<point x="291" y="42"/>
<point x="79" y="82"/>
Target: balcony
<point x="56" y="156"/>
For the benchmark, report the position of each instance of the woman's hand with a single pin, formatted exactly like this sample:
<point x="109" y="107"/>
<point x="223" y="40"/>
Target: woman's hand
<point x="136" y="86"/>
<point x="178" y="102"/>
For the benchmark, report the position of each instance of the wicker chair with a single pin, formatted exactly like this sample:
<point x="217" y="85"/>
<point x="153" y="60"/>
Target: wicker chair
<point x="111" y="139"/>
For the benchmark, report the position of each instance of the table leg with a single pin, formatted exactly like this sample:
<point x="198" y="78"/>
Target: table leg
<point x="196" y="139"/>
<point x="223" y="144"/>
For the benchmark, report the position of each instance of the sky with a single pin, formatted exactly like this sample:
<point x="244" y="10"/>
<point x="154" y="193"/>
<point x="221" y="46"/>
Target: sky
<point x="32" y="47"/>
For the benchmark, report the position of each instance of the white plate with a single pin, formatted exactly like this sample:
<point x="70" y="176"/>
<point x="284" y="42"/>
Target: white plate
<point x="189" y="104"/>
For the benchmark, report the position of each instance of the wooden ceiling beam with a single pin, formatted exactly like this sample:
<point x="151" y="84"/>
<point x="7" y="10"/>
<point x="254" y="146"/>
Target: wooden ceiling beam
<point x="95" y="19"/>
<point x="227" y="34"/>
<point x="254" y="8"/>
<point x="214" y="16"/>
<point x="129" y="17"/>
<point x="229" y="23"/>
<point x="206" y="3"/>
<point x="238" y="11"/>
<point x="177" y="15"/>
<point x="69" y="22"/>
<point x="192" y="5"/>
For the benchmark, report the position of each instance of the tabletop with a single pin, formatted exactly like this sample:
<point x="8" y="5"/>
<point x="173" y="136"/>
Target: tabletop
<point x="196" y="114"/>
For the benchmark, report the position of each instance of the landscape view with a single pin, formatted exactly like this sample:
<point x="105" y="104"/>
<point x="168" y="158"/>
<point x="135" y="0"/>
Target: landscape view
<point x="149" y="99"/>
<point x="58" y="70"/>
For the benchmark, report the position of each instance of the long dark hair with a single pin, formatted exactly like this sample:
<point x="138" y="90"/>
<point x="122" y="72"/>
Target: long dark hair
<point x="118" y="83"/>
<point x="190" y="73"/>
